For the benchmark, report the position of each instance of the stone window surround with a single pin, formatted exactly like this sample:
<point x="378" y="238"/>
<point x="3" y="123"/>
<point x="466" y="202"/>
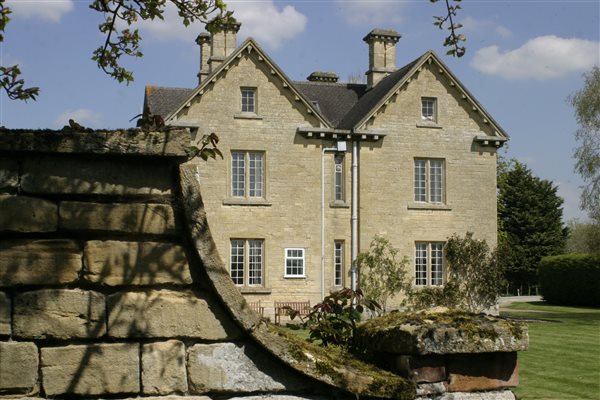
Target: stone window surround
<point x="246" y="260"/>
<point x="429" y="111"/>
<point x="248" y="100"/>
<point x="428" y="203"/>
<point x="428" y="256"/>
<point x="247" y="199"/>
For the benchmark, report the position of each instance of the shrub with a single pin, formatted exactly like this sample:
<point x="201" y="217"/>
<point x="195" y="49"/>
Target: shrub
<point x="474" y="278"/>
<point x="333" y="321"/>
<point x="571" y="279"/>
<point x="382" y="273"/>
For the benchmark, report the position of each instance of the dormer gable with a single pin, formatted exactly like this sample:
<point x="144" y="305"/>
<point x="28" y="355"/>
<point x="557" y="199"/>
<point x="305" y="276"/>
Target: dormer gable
<point x="251" y="49"/>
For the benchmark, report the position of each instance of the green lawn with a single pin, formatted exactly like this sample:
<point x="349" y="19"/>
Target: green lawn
<point x="563" y="360"/>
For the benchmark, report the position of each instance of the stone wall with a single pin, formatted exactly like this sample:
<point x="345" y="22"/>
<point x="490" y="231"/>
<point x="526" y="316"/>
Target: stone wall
<point x="102" y="292"/>
<point x="111" y="285"/>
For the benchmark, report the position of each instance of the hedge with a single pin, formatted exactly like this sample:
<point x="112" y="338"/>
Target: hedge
<point x="571" y="279"/>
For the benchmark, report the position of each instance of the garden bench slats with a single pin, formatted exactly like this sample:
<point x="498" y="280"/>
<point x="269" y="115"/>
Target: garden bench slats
<point x="282" y="308"/>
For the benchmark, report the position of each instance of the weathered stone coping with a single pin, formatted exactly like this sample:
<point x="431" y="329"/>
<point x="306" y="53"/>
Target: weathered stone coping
<point x="327" y="365"/>
<point x="442" y="332"/>
<point x="171" y="142"/>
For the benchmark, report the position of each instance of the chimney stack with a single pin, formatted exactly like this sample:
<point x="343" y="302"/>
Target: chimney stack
<point x="223" y="42"/>
<point x="217" y="46"/>
<point x="382" y="54"/>
<point x="203" y="40"/>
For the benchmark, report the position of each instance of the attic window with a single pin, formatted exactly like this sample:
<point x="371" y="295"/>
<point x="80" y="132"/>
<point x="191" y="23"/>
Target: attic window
<point x="429" y="109"/>
<point x="248" y="100"/>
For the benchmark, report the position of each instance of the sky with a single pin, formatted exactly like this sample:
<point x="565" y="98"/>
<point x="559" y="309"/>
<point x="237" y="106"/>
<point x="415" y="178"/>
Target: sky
<point x="524" y="58"/>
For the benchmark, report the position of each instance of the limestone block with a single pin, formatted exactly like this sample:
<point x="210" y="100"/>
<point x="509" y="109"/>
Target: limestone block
<point x="117" y="217"/>
<point x="59" y="314"/>
<point x="231" y="367"/>
<point x="9" y="173"/>
<point x="442" y="332"/>
<point x="491" y="395"/>
<point x="136" y="142"/>
<point x="5" y="311"/>
<point x="163" y="368"/>
<point x="27" y="214"/>
<point x="166" y="313"/>
<point x="131" y="177"/>
<point x="39" y="262"/>
<point x="117" y="263"/>
<point x="475" y="372"/>
<point x="18" y="366"/>
<point x="91" y="369"/>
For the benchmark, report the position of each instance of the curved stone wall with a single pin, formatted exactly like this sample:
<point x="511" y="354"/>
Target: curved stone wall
<point x="111" y="286"/>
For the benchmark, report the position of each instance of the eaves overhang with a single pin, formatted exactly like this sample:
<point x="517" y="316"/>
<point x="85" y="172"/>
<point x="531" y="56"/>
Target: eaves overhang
<point x="339" y="134"/>
<point x="491" y="141"/>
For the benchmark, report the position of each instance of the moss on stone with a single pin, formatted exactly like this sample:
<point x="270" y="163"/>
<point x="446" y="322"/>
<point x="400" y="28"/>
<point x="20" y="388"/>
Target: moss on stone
<point x="344" y="370"/>
<point x="440" y="332"/>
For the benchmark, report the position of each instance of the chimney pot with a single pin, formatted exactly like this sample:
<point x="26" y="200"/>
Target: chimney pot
<point x="319" y="76"/>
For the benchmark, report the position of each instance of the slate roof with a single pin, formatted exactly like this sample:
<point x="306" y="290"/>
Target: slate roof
<point x="343" y="106"/>
<point x="333" y="100"/>
<point x="373" y="96"/>
<point x="162" y="100"/>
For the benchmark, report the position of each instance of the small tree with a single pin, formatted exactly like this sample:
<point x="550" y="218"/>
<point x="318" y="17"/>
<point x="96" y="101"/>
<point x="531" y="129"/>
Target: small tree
<point x="381" y="273"/>
<point x="475" y="279"/>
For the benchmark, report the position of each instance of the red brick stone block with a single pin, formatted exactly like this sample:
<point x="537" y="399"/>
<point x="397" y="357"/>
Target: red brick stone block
<point x="473" y="372"/>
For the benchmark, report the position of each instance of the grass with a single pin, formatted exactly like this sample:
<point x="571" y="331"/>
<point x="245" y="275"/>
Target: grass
<point x="563" y="360"/>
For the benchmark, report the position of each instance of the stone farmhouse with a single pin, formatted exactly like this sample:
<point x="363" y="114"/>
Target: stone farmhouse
<point x="313" y="170"/>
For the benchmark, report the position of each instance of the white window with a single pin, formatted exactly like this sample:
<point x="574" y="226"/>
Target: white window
<point x="249" y="100"/>
<point x="338" y="263"/>
<point x="246" y="262"/>
<point x="429" y="180"/>
<point x="294" y="263"/>
<point x="429" y="264"/>
<point x="338" y="181"/>
<point x="247" y="174"/>
<point x="429" y="109"/>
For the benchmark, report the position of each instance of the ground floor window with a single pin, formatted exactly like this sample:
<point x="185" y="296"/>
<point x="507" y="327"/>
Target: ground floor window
<point x="429" y="263"/>
<point x="247" y="261"/>
<point x="338" y="263"/>
<point x="294" y="263"/>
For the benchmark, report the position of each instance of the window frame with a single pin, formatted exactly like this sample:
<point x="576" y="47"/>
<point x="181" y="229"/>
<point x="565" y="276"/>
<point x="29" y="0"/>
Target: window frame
<point x="338" y="262"/>
<point x="250" y="186"/>
<point x="428" y="255"/>
<point x="248" y="107"/>
<point x="302" y="258"/>
<point x="246" y="262"/>
<point x="429" y="109"/>
<point x="424" y="178"/>
<point x="339" y="178"/>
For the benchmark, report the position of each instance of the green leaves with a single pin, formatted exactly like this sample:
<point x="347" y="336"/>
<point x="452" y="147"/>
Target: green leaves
<point x="381" y="274"/>
<point x="10" y="79"/>
<point x="205" y="152"/>
<point x="453" y="40"/>
<point x="126" y="42"/>
<point x="14" y="86"/>
<point x="333" y="321"/>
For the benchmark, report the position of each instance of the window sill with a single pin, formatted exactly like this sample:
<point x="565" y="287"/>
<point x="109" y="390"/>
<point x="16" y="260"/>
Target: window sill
<point x="429" y="206"/>
<point x="247" y="115"/>
<point x="428" y="124"/>
<point x="339" y="204"/>
<point x="294" y="276"/>
<point x="254" y="290"/>
<point x="233" y="201"/>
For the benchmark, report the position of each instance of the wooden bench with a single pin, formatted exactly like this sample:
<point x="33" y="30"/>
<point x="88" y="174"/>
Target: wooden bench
<point x="282" y="308"/>
<point x="256" y="306"/>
